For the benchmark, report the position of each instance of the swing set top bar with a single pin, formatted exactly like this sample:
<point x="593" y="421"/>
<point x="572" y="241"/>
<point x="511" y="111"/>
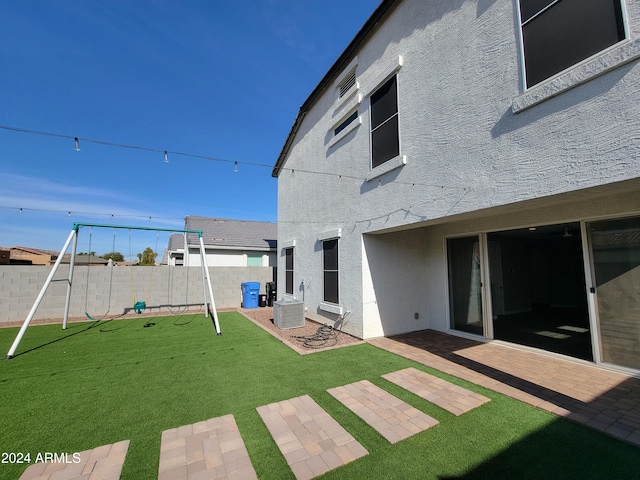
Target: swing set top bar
<point x="77" y="226"/>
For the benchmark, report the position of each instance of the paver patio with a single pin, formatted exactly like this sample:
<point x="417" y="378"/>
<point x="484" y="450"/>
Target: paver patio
<point x="101" y="463"/>
<point x="392" y="418"/>
<point x="452" y="398"/>
<point x="209" y="449"/>
<point x="311" y="441"/>
<point x="606" y="400"/>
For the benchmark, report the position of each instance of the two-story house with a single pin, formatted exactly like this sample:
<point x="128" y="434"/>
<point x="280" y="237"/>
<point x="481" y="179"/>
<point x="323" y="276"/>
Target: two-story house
<point x="473" y="167"/>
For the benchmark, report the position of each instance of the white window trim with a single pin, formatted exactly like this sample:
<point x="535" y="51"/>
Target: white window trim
<point x="333" y="234"/>
<point x="345" y="102"/>
<point x="330" y="234"/>
<point x="351" y="102"/>
<point x="346" y="130"/>
<point x="386" y="167"/>
<point x="331" y="308"/>
<point x="391" y="69"/>
<point x="289" y="244"/>
<point x="602" y="62"/>
<point x="400" y="160"/>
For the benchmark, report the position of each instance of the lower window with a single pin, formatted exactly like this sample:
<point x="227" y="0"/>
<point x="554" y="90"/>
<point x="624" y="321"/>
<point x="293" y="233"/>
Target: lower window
<point x="330" y="270"/>
<point x="288" y="269"/>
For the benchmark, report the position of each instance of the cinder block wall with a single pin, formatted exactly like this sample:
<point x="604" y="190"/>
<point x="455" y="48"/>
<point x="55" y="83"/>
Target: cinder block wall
<point x="114" y="290"/>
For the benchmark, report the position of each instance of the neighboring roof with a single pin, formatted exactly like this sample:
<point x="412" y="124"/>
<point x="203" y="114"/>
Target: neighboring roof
<point x="35" y="251"/>
<point x="83" y="259"/>
<point x="378" y="15"/>
<point x="232" y="233"/>
<point x="176" y="241"/>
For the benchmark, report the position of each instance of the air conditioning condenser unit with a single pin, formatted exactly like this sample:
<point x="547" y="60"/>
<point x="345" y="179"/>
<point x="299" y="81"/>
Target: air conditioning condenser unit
<point x="288" y="314"/>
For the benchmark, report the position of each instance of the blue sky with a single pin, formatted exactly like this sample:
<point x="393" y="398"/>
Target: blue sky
<point x="220" y="79"/>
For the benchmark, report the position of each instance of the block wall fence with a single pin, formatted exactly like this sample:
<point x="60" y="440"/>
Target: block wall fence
<point x="108" y="290"/>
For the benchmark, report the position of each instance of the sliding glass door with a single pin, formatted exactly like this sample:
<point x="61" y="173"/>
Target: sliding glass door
<point x="465" y="284"/>
<point x="615" y="249"/>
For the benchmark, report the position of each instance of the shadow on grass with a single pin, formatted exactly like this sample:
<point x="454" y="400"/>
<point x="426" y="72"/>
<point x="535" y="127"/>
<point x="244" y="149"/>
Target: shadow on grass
<point x="560" y="450"/>
<point x="92" y="326"/>
<point x="105" y="326"/>
<point x="535" y="455"/>
<point x="180" y="324"/>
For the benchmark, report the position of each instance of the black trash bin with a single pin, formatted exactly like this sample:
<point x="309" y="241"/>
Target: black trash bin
<point x="271" y="293"/>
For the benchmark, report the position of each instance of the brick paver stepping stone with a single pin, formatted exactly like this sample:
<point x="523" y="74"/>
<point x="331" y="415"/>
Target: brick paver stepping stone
<point x="394" y="419"/>
<point x="205" y="450"/>
<point x="311" y="441"/>
<point x="101" y="463"/>
<point x="452" y="398"/>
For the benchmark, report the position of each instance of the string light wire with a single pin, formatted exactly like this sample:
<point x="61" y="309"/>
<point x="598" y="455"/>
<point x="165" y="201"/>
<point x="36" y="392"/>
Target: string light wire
<point x="77" y="141"/>
<point x="166" y="154"/>
<point x="68" y="213"/>
<point x="339" y="177"/>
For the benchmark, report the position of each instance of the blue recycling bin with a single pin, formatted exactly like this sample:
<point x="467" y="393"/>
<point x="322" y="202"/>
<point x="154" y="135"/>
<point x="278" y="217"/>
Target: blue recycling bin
<point x="250" y="293"/>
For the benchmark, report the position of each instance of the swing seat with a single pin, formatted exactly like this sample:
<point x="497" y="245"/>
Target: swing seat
<point x="139" y="306"/>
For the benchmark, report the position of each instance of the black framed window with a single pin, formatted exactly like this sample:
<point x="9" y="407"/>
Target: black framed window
<point x="560" y="33"/>
<point x="288" y="270"/>
<point x="385" y="138"/>
<point x="348" y="121"/>
<point x="330" y="270"/>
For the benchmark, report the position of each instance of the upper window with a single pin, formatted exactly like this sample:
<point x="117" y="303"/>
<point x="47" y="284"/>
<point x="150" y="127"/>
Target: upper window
<point x="348" y="121"/>
<point x="288" y="270"/>
<point x="560" y="33"/>
<point x="330" y="270"/>
<point x="385" y="139"/>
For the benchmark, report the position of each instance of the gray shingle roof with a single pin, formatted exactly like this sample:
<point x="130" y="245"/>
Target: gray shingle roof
<point x="232" y="233"/>
<point x="83" y="259"/>
<point x="176" y="241"/>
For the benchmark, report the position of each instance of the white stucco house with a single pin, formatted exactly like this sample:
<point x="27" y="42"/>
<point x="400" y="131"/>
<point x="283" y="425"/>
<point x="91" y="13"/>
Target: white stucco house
<point x="473" y="167"/>
<point x="227" y="243"/>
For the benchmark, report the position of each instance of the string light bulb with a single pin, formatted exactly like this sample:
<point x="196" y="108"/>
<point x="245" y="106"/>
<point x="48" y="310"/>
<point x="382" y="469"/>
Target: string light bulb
<point x="68" y="214"/>
<point x="235" y="167"/>
<point x="166" y="157"/>
<point x="20" y="211"/>
<point x="77" y="144"/>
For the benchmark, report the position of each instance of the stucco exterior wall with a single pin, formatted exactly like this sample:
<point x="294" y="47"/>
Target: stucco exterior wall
<point x="466" y="153"/>
<point x="391" y="307"/>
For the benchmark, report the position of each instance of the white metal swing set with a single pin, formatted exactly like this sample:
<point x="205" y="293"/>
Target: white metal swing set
<point x="73" y="237"/>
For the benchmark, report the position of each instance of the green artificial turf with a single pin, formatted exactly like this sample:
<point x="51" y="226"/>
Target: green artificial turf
<point x="103" y="382"/>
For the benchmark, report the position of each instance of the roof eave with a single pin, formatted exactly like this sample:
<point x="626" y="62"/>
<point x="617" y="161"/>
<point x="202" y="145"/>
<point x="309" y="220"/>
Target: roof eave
<point x="383" y="9"/>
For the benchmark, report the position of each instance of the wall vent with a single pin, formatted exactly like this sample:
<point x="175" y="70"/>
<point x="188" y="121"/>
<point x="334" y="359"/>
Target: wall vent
<point x="347" y="83"/>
